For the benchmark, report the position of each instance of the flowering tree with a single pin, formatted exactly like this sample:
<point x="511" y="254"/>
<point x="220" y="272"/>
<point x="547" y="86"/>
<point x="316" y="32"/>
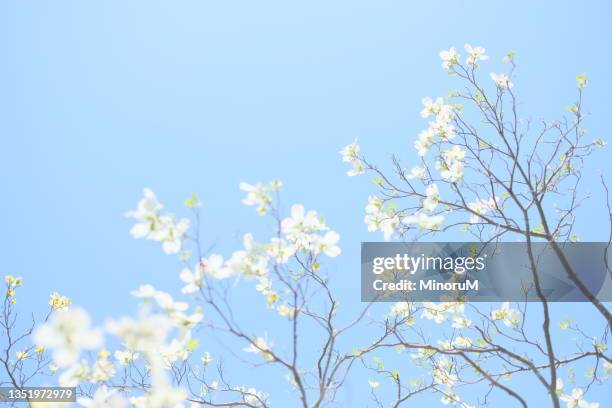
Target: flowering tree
<point x="489" y="183"/>
<point x="484" y="171"/>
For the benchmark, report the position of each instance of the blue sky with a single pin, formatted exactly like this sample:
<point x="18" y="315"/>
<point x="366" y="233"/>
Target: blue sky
<point x="99" y="100"/>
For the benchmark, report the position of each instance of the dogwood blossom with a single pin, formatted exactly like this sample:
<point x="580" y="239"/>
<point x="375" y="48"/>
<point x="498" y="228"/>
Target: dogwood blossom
<point x="259" y="195"/>
<point x="144" y="292"/>
<point x="171" y="233"/>
<point x="440" y="312"/>
<point x="449" y="57"/>
<point x="74" y="375"/>
<point x="168" y="304"/>
<point x="462" y="342"/>
<point x="145" y="334"/>
<point x="510" y="317"/>
<point x="443" y="128"/>
<point x="286" y="311"/>
<point x="482" y="207"/>
<point x="161" y="396"/>
<point x="261" y="346"/>
<point x="57" y="301"/>
<point x="575" y="399"/>
<point x="377" y="219"/>
<point x="67" y="333"/>
<point x="103" y="398"/>
<point x="147" y="213"/>
<point x="280" y="250"/>
<point x="300" y="227"/>
<point x="417" y="172"/>
<point x="431" y="107"/>
<point x="152" y="225"/>
<point x="102" y="370"/>
<point x="430" y="202"/>
<point x="450" y="169"/>
<point x="193" y="279"/>
<point x="424" y="221"/>
<point x="424" y="142"/>
<point x="444" y="377"/>
<point x="350" y="154"/>
<point x="327" y="244"/>
<point x="502" y="81"/>
<point x="212" y="266"/>
<point x="125" y="357"/>
<point x="475" y="54"/>
<point x="250" y="262"/>
<point x="252" y="397"/>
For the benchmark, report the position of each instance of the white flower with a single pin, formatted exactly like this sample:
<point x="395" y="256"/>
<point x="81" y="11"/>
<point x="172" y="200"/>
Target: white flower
<point x="431" y="107"/>
<point x="430" y="202"/>
<point x="207" y="359"/>
<point x="425" y="221"/>
<point x="388" y="225"/>
<point x="144" y="292"/>
<point x="501" y="80"/>
<point x="449" y="58"/>
<point x="350" y="155"/>
<point x="454" y="154"/>
<point x="74" y="375"/>
<point x="401" y="309"/>
<point x="299" y="227"/>
<point x="373" y="384"/>
<point x="154" y="226"/>
<point x="374" y="205"/>
<point x="443" y="128"/>
<point x="327" y="244"/>
<point x="440" y="312"/>
<point x="194" y="280"/>
<point x="475" y="54"/>
<point x="417" y="172"/>
<point x="171" y="233"/>
<point x="146" y="334"/>
<point x="510" y="317"/>
<point x="424" y="142"/>
<point x="450" y="397"/>
<point x="460" y="322"/>
<point x="482" y="207"/>
<point x="575" y="400"/>
<point x="147" y="213"/>
<point x="67" y="333"/>
<point x="125" y="357"/>
<point x="350" y="152"/>
<point x="212" y="266"/>
<point x="167" y="303"/>
<point x="260" y="346"/>
<point x="450" y="170"/>
<point x="251" y="396"/>
<point x="185" y="321"/>
<point x="259" y="195"/>
<point x="443" y="377"/>
<point x="161" y="396"/>
<point x="103" y="398"/>
<point x="286" y="311"/>
<point x="280" y="250"/>
<point x="462" y="342"/>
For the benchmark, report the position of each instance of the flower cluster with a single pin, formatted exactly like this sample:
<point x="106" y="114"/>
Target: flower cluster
<point x="153" y="225"/>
